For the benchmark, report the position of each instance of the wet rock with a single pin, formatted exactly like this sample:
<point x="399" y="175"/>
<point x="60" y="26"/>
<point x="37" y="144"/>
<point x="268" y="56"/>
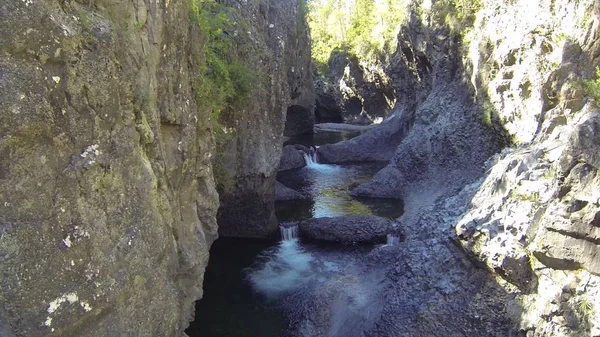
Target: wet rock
<point x="284" y="193"/>
<point x="383" y="185"/>
<point x="528" y="214"/>
<point x="346" y="229"/>
<point x="376" y="144"/>
<point x="292" y="157"/>
<point x="341" y="127"/>
<point x="247" y="163"/>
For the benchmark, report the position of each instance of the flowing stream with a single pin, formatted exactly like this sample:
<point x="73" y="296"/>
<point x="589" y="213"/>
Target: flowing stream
<point x="246" y="280"/>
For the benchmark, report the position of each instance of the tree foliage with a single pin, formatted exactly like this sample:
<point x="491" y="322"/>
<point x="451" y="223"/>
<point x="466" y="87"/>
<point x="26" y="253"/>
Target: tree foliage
<point x="369" y="28"/>
<point x="364" y="28"/>
<point x="459" y="15"/>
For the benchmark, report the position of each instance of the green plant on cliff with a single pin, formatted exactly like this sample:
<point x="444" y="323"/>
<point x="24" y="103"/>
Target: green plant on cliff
<point x="225" y="81"/>
<point x="458" y="15"/>
<point x="592" y="87"/>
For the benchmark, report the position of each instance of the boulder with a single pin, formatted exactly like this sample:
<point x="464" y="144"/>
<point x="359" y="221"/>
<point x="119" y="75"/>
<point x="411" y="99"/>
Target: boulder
<point x="292" y="157"/>
<point x="284" y="193"/>
<point x="377" y="143"/>
<point x="347" y="229"/>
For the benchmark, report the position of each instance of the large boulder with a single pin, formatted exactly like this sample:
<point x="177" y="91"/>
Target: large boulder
<point x="376" y="144"/>
<point x="347" y="229"/>
<point x="292" y="157"/>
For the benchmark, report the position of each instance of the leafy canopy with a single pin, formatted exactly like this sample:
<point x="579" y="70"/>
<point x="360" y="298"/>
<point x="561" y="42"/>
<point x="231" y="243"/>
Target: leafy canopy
<point x="364" y="28"/>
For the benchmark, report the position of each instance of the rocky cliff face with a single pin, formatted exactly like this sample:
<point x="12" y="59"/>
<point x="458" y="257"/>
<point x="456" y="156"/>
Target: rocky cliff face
<point x="528" y="214"/>
<point x="534" y="218"/>
<point x="278" y="38"/>
<point x="108" y="202"/>
<point x="354" y="91"/>
<point x="107" y="197"/>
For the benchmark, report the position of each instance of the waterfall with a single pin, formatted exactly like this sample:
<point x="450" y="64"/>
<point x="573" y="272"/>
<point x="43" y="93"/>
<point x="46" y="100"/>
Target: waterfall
<point x="392" y="240"/>
<point x="288" y="233"/>
<point x="283" y="268"/>
<point x="311" y="157"/>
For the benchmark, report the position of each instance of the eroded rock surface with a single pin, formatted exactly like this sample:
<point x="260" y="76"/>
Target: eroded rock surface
<point x="424" y="286"/>
<point x="529" y="214"/>
<point x="107" y="199"/>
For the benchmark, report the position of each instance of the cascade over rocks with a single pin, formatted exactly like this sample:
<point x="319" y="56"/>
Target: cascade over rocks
<point x="107" y="195"/>
<point x="346" y="229"/>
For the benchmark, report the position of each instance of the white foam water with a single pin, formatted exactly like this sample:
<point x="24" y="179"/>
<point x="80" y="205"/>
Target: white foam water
<point x="288" y="233"/>
<point x="311" y="157"/>
<point x="282" y="269"/>
<point x="392" y="240"/>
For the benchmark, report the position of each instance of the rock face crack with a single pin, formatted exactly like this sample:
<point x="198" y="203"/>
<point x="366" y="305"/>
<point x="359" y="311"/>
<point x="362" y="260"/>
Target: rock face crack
<point x="576" y="235"/>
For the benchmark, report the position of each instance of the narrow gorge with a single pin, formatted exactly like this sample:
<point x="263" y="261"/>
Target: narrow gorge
<point x="299" y="168"/>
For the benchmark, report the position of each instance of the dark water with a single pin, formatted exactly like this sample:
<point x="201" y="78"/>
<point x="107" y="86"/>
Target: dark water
<point x="236" y="305"/>
<point x="230" y="308"/>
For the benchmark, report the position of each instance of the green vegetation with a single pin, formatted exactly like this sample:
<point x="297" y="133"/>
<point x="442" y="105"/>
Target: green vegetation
<point x="585" y="311"/>
<point x="561" y="37"/>
<point x="368" y="29"/>
<point x="459" y="15"/>
<point x="224" y="180"/>
<point x="592" y="87"/>
<point x="225" y="81"/>
<point x="362" y="28"/>
<point x="488" y="111"/>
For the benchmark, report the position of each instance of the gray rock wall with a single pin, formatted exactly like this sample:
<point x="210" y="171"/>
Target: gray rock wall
<point x="354" y="91"/>
<point x="532" y="221"/>
<point x="512" y="80"/>
<point x="277" y="37"/>
<point x="107" y="199"/>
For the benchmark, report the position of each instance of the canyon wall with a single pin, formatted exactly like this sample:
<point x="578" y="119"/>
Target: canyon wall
<point x="279" y="45"/>
<point x="108" y="203"/>
<point x="496" y="101"/>
<point x="106" y="184"/>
